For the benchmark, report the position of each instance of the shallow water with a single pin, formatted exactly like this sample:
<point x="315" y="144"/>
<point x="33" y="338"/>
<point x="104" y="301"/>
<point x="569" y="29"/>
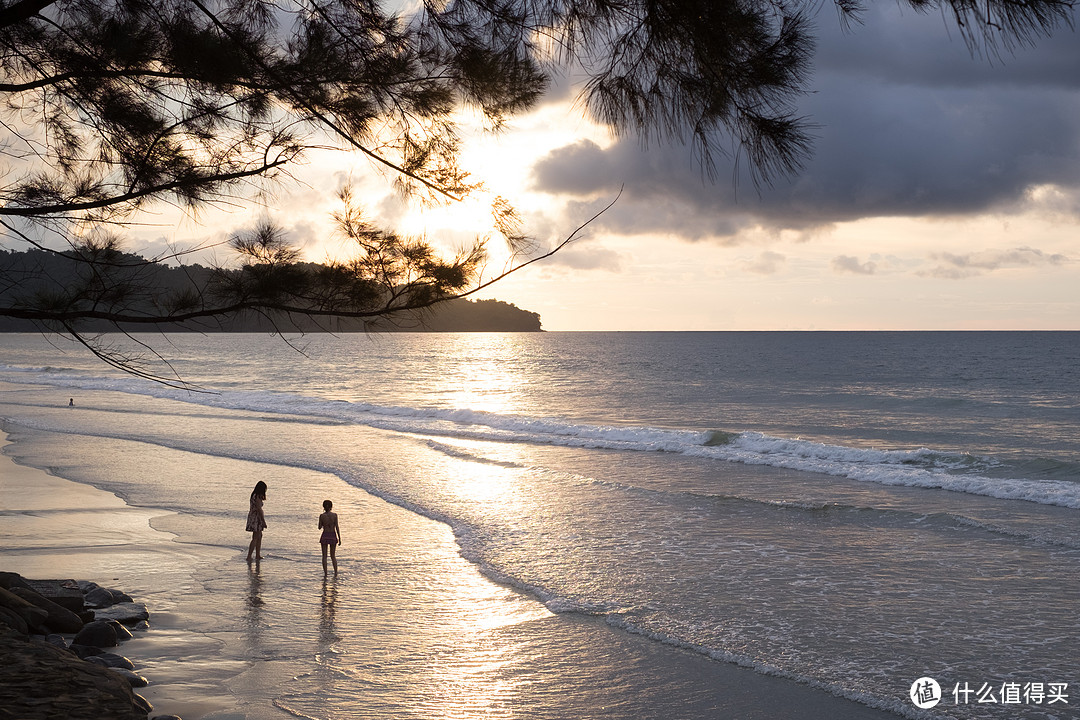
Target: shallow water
<point x="407" y="628"/>
<point x="851" y="511"/>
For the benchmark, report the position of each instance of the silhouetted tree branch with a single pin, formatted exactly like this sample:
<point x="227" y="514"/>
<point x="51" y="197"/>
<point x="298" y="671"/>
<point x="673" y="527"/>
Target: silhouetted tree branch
<point x="112" y="107"/>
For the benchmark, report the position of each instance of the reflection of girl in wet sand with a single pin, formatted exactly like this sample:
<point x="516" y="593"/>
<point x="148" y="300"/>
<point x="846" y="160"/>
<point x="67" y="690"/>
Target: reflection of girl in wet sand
<point x="256" y="522"/>
<point x="331" y="535"/>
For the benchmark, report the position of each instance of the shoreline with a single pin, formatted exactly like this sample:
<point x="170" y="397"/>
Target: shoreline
<point x="213" y="651"/>
<point x="67" y="529"/>
<point x="60" y="645"/>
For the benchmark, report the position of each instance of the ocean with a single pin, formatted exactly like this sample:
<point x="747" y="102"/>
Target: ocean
<point x="887" y="518"/>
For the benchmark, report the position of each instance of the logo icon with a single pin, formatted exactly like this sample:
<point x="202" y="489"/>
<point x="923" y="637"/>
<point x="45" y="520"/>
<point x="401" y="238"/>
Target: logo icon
<point x="925" y="693"/>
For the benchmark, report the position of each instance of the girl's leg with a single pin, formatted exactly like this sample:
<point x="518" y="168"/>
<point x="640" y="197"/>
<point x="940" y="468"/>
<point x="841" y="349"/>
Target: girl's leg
<point x="251" y="545"/>
<point x="333" y="556"/>
<point x="256" y="541"/>
<point x="324" y="558"/>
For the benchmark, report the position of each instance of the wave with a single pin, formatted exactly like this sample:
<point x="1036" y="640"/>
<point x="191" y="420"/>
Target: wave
<point x="922" y="467"/>
<point x="861" y="514"/>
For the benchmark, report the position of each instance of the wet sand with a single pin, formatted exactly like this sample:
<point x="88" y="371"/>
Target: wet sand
<point x="408" y="629"/>
<point x="56" y="528"/>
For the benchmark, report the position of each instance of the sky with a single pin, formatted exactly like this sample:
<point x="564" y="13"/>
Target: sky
<point x="943" y="193"/>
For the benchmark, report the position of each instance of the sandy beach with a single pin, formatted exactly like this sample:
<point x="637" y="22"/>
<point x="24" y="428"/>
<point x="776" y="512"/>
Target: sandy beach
<point x="56" y="528"/>
<point x="408" y="628"/>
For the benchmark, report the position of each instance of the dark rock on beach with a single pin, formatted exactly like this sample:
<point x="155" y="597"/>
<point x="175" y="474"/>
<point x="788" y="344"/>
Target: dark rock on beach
<point x="111" y="660"/>
<point x="99" y="633"/>
<point x="65" y="593"/>
<point x="99" y="597"/>
<point x="125" y="613"/>
<point x="60" y="619"/>
<point x="9" y="580"/>
<point x="32" y="617"/>
<point x="84" y="651"/>
<point x="13" y="620"/>
<point x="42" y="682"/>
<point x="57" y="640"/>
<point x="42" y="677"/>
<point x="122" y="633"/>
<point x="133" y="678"/>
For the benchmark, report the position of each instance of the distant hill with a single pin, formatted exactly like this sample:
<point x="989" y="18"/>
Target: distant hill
<point x="35" y="271"/>
<point x="463" y="315"/>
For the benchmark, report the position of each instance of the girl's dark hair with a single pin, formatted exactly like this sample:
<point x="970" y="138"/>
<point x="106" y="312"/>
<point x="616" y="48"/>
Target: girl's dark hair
<point x="326" y="505"/>
<point x="260" y="490"/>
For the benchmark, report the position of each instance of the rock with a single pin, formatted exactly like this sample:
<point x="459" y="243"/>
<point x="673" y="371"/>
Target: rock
<point x="59" y="619"/>
<point x="41" y="678"/>
<point x="99" y="597"/>
<point x="99" y="633"/>
<point x="42" y="682"/>
<point x="112" y="660"/>
<point x="87" y="587"/>
<point x="166" y="717"/>
<point x="126" y="613"/>
<point x="65" y="593"/>
<point x="9" y="580"/>
<point x="84" y="651"/>
<point x="134" y="679"/>
<point x="122" y="633"/>
<point x="56" y="641"/>
<point x="12" y="619"/>
<point x="33" y="616"/>
<point x="143" y="704"/>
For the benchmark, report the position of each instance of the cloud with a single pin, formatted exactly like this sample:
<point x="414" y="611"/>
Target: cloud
<point x="951" y="266"/>
<point x="922" y="49"/>
<point x="909" y="125"/>
<point x="849" y="264"/>
<point x="767" y="263"/>
<point x="657" y="191"/>
<point x="582" y="257"/>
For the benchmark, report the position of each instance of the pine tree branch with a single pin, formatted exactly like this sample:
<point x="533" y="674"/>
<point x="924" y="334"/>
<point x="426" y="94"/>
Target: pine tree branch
<point x="70" y="207"/>
<point x="22" y="11"/>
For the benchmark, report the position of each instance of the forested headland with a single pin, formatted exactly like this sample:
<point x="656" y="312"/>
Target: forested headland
<point x="42" y="277"/>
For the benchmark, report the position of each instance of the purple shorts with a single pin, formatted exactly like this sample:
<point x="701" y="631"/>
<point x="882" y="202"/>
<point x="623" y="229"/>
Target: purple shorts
<point x="328" y="538"/>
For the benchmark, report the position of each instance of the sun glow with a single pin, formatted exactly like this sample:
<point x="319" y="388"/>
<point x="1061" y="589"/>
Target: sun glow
<point x="489" y="381"/>
<point x="501" y="163"/>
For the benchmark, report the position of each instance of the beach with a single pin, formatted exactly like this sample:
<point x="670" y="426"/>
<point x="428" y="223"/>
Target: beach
<point x="227" y="642"/>
<point x="57" y="529"/>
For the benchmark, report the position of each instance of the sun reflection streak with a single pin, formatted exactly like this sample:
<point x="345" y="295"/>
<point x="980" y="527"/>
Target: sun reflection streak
<point x="488" y="378"/>
<point x="479" y="652"/>
<point x="475" y="654"/>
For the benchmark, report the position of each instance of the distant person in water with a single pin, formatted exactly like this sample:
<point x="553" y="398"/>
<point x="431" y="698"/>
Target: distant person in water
<point x="256" y="521"/>
<point x="71" y="402"/>
<point x="331" y="535"/>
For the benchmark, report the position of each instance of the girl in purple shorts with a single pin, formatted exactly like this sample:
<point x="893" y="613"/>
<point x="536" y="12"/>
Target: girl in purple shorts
<point x="331" y="535"/>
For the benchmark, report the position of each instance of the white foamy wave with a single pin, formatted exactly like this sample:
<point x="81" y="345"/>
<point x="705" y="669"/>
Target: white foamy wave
<point x="913" y="468"/>
<point x="922" y="468"/>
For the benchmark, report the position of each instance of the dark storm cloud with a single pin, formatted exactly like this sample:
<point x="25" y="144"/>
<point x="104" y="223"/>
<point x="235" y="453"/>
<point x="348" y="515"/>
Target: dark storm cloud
<point x="910" y="124"/>
<point x="903" y="46"/>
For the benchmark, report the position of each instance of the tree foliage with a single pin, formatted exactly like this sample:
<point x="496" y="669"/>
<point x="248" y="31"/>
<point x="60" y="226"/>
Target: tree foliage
<point x="111" y="107"/>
